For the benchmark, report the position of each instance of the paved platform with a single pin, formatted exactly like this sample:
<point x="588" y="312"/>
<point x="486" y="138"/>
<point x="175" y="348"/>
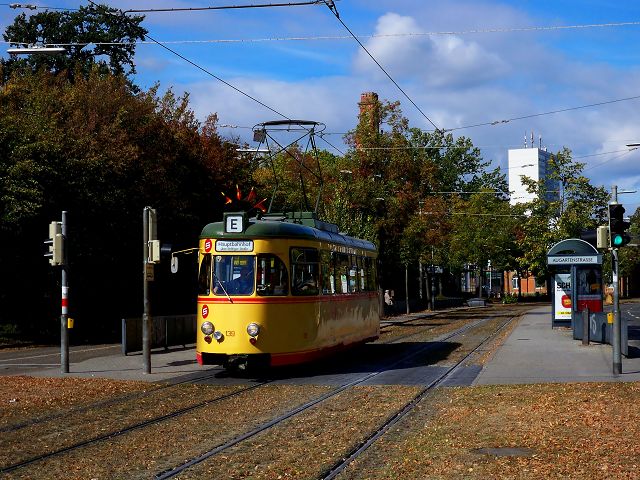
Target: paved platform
<point x="537" y="353"/>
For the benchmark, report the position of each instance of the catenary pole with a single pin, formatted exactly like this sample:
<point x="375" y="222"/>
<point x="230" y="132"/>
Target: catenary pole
<point x="617" y="330"/>
<point x="146" y="320"/>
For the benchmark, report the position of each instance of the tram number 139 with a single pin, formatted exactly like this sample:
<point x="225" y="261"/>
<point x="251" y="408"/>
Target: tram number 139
<point x="230" y="333"/>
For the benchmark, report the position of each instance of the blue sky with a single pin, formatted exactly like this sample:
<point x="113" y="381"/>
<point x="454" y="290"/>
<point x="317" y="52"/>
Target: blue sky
<point x="491" y="65"/>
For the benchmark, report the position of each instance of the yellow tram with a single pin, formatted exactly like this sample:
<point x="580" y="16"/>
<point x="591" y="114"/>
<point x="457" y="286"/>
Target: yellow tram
<point x="282" y="289"/>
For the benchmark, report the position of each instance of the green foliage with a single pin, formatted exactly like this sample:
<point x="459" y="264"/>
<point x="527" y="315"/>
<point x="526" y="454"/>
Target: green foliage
<point x="398" y="176"/>
<point x="509" y="298"/>
<point x="101" y="151"/>
<point x="551" y="218"/>
<point x="113" y="35"/>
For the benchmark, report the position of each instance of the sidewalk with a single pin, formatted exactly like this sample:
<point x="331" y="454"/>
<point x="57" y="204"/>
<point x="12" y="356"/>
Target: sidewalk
<point x="166" y="365"/>
<point x="537" y="353"/>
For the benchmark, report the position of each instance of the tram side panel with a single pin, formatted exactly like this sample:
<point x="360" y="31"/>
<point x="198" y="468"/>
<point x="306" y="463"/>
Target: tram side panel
<point x="357" y="318"/>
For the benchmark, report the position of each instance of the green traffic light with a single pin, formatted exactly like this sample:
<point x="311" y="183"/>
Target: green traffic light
<point x="618" y="240"/>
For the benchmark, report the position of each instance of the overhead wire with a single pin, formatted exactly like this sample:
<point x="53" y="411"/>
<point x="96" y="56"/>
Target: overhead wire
<point x="224" y="7"/>
<point x="340" y="37"/>
<point x="31" y="6"/>
<point x="199" y="67"/>
<point x="552" y="112"/>
<point x="608" y="160"/>
<point x="352" y="35"/>
<point x="535" y="28"/>
<point x="333" y="10"/>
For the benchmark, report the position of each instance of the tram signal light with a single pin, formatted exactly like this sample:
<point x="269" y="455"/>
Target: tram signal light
<point x="55" y="244"/>
<point x="618" y="226"/>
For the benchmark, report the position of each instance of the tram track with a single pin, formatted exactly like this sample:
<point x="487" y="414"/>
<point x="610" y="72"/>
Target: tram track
<point x="122" y="431"/>
<point x="177" y="470"/>
<point x="100" y="404"/>
<point x="96" y="440"/>
<point x="339" y="467"/>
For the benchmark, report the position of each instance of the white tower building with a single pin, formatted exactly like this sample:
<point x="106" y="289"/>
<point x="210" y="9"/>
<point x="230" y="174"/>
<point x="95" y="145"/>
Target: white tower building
<point x="533" y="163"/>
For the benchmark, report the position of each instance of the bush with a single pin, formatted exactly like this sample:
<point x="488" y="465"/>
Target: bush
<point x="509" y="298"/>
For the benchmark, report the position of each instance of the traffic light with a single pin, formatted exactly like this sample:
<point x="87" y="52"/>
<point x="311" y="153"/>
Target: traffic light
<point x="598" y="237"/>
<point x="618" y="226"/>
<point x="56" y="244"/>
<point x="602" y="237"/>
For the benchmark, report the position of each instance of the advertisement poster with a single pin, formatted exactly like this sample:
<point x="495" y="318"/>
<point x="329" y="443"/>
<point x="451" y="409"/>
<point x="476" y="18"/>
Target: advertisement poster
<point x="562" y="296"/>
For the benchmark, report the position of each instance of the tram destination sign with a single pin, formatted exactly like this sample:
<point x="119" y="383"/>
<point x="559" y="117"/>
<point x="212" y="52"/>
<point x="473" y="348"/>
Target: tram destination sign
<point x="234" y="246"/>
<point x="574" y="259"/>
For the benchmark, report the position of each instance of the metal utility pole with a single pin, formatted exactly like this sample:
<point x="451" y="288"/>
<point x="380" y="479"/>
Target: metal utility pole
<point x="57" y="255"/>
<point x="406" y="284"/>
<point x="64" y="315"/>
<point x="146" y="317"/>
<point x="617" y="328"/>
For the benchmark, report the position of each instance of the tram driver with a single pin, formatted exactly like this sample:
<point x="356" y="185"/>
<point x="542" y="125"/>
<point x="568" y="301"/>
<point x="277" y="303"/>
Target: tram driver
<point x="241" y="285"/>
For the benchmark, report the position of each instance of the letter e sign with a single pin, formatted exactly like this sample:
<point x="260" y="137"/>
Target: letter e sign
<point x="234" y="224"/>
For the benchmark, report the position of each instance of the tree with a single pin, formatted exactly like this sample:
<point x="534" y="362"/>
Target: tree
<point x="113" y="35"/>
<point x="102" y="152"/>
<point x="398" y="178"/>
<point x="555" y="216"/>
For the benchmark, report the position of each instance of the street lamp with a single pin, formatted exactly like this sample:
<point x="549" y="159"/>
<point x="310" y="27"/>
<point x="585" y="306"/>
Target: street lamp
<point x="253" y="150"/>
<point x="35" y="49"/>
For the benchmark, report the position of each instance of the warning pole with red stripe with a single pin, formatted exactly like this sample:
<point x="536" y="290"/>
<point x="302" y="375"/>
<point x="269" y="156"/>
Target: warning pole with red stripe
<point x="64" y="315"/>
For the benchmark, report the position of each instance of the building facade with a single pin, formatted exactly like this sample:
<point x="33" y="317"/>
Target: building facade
<point x="534" y="163"/>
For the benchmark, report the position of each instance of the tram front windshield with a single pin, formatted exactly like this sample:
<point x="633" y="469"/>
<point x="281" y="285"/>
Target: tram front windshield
<point x="233" y="275"/>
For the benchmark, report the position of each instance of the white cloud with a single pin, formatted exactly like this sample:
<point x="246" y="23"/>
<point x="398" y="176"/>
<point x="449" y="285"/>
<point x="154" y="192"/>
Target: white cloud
<point x="435" y="61"/>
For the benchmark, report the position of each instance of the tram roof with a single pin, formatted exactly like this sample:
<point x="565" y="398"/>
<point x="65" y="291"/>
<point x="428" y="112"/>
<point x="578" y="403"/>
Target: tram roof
<point x="301" y="225"/>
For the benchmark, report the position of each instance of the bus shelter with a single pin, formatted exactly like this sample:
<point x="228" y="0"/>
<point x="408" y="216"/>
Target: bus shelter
<point x="576" y="270"/>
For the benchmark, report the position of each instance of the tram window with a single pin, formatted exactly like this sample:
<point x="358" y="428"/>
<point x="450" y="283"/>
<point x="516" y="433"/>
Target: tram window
<point x="204" y="277"/>
<point x="342" y="265"/>
<point x="370" y="272"/>
<point x="233" y="275"/>
<point x="272" y="276"/>
<point x="327" y="273"/>
<point x="304" y="271"/>
<point x="353" y="275"/>
<point x="362" y="277"/>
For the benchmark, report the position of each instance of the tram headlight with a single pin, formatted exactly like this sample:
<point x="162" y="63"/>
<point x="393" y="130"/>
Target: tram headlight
<point x="207" y="328"/>
<point x="218" y="335"/>
<point x="253" y="329"/>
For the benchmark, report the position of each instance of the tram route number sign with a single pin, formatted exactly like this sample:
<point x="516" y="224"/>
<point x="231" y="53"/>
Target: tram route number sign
<point x="234" y="246"/>
<point x="234" y="223"/>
